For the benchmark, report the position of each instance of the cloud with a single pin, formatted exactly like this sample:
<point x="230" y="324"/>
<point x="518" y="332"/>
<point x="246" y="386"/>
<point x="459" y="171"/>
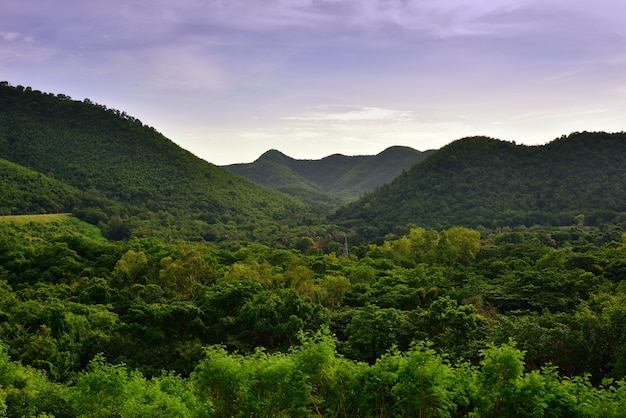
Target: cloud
<point x="185" y="67"/>
<point x="18" y="50"/>
<point x="561" y="114"/>
<point x="256" y="135"/>
<point x="354" y="114"/>
<point x="141" y="20"/>
<point x="240" y="31"/>
<point x="437" y="18"/>
<point x="442" y="18"/>
<point x="10" y="36"/>
<point x="118" y="22"/>
<point x="269" y="68"/>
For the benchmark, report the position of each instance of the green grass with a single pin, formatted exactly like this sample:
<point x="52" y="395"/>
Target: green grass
<point x="44" y="218"/>
<point x="48" y="226"/>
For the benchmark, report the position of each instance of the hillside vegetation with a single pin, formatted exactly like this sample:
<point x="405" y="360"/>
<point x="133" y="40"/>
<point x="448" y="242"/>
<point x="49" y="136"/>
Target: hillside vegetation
<point x="481" y="181"/>
<point x="330" y="181"/>
<point x="110" y="154"/>
<point x="439" y="323"/>
<point x="25" y="191"/>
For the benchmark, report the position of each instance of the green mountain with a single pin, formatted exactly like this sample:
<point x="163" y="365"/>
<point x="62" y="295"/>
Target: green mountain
<point x="378" y="169"/>
<point x="483" y="181"/>
<point x="109" y="154"/>
<point x="332" y="180"/>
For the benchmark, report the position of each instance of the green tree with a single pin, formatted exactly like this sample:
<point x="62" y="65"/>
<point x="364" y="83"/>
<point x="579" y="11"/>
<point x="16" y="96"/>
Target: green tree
<point x="453" y="328"/>
<point x="600" y="321"/>
<point x="423" y="242"/>
<point x="427" y="385"/>
<point x="333" y="290"/>
<point x="500" y="375"/>
<point x="182" y="275"/>
<point x="460" y="245"/>
<point x="304" y="244"/>
<point x="106" y="390"/>
<point x="300" y="276"/>
<point x="129" y="268"/>
<point x="375" y="330"/>
<point x="274" y="319"/>
<point x="254" y="270"/>
<point x="25" y="391"/>
<point x="223" y="379"/>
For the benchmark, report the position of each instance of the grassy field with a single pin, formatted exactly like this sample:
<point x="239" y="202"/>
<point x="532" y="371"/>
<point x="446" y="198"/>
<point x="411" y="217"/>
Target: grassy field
<point x="48" y="226"/>
<point x="45" y="218"/>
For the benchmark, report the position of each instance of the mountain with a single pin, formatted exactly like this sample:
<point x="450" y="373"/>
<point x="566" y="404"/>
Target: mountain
<point x="109" y="154"/>
<point x="379" y="169"/>
<point x="483" y="181"/>
<point x="332" y="180"/>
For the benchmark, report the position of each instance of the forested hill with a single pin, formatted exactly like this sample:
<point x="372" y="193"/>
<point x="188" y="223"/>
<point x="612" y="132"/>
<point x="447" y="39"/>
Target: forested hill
<point x="330" y="180"/>
<point x="482" y="181"/>
<point x="112" y="154"/>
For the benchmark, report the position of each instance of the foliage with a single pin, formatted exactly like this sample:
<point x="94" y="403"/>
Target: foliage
<point x="313" y="379"/>
<point x="28" y="192"/>
<point x="122" y="167"/>
<point x="330" y="181"/>
<point x="485" y="182"/>
<point x="125" y="311"/>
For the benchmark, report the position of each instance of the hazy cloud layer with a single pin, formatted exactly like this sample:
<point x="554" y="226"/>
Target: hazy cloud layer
<point x="277" y="73"/>
<point x="354" y="114"/>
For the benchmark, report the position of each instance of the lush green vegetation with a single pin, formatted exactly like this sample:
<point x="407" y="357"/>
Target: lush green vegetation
<point x="333" y="180"/>
<point x="494" y="323"/>
<point x="176" y="288"/>
<point x="272" y="170"/>
<point x="110" y="155"/>
<point x="485" y="182"/>
<point x="26" y="191"/>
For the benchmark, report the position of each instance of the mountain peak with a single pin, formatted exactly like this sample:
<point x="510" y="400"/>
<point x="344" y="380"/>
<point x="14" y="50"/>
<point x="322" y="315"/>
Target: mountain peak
<point x="274" y="155"/>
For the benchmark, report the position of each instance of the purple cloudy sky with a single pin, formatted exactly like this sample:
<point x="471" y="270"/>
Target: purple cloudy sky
<point x="230" y="79"/>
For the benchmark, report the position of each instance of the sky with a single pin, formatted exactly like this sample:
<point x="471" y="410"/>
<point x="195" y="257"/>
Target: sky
<point x="231" y="79"/>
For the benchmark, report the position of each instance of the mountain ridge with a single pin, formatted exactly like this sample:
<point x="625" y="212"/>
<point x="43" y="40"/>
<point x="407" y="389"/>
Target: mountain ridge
<point x="107" y="153"/>
<point x="113" y="165"/>
<point x="332" y="180"/>
<point x="481" y="181"/>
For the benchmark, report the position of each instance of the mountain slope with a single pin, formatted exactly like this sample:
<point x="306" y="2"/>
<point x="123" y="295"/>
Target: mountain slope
<point x="377" y="170"/>
<point x="278" y="171"/>
<point x="91" y="148"/>
<point x="331" y="180"/>
<point x="27" y="192"/>
<point x="482" y="181"/>
<point x="273" y="169"/>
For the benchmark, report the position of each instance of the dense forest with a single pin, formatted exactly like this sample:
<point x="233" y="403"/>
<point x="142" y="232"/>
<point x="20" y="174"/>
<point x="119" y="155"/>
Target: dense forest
<point x="127" y="169"/>
<point x="512" y="323"/>
<point x="117" y="300"/>
<point x="486" y="182"/>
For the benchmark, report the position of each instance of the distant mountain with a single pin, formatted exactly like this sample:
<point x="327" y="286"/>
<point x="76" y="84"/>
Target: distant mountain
<point x="378" y="170"/>
<point x="107" y="153"/>
<point x="483" y="181"/>
<point x="332" y="180"/>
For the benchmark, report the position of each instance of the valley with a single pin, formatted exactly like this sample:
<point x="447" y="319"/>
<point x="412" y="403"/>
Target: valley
<point x="485" y="278"/>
